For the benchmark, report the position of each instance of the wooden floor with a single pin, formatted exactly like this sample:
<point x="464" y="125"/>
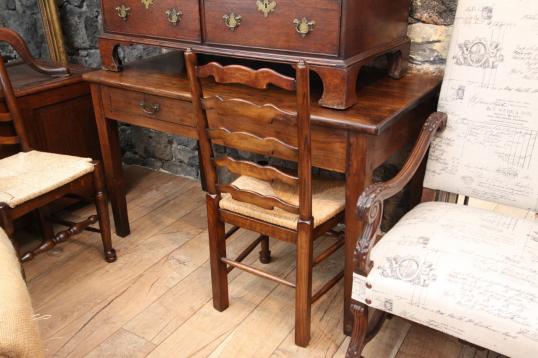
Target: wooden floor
<point x="155" y="300"/>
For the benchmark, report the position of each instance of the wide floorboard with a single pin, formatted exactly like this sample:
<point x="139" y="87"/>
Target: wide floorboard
<point x="155" y="301"/>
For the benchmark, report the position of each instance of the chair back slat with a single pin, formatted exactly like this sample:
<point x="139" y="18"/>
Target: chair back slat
<point x="267" y="173"/>
<point x="249" y="142"/>
<point x="263" y="201"/>
<point x="14" y="114"/>
<point x="217" y="115"/>
<point x="6" y="117"/>
<point x="489" y="149"/>
<point x="259" y="79"/>
<point x="240" y="108"/>
<point x="12" y="140"/>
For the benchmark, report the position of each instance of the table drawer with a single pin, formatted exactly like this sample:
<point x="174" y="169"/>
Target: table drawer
<point x="140" y="108"/>
<point x="279" y="30"/>
<point x="167" y="19"/>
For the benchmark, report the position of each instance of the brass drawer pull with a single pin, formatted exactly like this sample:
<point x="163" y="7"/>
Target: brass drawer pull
<point x="150" y="108"/>
<point x="174" y="16"/>
<point x="123" y="11"/>
<point x="303" y="26"/>
<point x="232" y="21"/>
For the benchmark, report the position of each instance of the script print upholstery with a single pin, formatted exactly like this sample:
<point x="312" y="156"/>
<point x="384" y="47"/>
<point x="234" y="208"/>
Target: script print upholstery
<point x="489" y="149"/>
<point x="467" y="272"/>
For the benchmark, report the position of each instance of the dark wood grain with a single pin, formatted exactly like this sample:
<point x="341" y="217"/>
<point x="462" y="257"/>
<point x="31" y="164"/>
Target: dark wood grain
<point x="381" y="101"/>
<point x="338" y="36"/>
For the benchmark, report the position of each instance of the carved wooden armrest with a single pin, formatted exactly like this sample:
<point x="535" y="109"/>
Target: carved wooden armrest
<point x="370" y="203"/>
<point x="17" y="42"/>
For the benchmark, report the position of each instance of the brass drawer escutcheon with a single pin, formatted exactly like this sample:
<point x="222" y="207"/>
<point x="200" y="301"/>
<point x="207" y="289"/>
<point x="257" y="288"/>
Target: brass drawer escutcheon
<point x="123" y="11"/>
<point x="174" y="16"/>
<point x="150" y="108"/>
<point x="266" y="6"/>
<point x="304" y="26"/>
<point x="147" y="3"/>
<point x="232" y="21"/>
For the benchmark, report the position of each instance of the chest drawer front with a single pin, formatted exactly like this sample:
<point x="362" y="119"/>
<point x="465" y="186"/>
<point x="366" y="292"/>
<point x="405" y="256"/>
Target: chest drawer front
<point x="167" y="19"/>
<point x="294" y="25"/>
<point x="138" y="107"/>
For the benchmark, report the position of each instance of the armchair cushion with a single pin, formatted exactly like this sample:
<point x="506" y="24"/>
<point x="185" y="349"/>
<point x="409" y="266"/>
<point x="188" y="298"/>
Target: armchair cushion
<point x="19" y="334"/>
<point x="27" y="175"/>
<point x="467" y="272"/>
<point x="328" y="200"/>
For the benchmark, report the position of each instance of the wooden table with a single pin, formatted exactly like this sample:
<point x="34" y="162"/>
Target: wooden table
<point x="387" y="118"/>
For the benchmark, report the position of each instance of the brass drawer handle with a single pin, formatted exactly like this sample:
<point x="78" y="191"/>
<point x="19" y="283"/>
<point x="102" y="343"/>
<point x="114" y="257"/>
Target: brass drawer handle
<point x="232" y="21"/>
<point x="150" y="108"/>
<point x="123" y="11"/>
<point x="303" y="26"/>
<point x="174" y="16"/>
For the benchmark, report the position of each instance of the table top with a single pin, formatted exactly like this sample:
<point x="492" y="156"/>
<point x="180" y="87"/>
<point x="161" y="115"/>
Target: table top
<point x="382" y="100"/>
<point x="26" y="81"/>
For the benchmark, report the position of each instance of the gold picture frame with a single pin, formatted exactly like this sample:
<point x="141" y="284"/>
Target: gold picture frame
<point x="53" y="31"/>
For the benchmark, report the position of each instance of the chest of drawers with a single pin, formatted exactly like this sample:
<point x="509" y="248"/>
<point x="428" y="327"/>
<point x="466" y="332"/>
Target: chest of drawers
<point x="335" y="37"/>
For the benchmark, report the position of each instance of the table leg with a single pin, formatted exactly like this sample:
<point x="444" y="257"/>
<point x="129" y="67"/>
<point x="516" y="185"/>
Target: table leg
<point x="110" y="151"/>
<point x="358" y="176"/>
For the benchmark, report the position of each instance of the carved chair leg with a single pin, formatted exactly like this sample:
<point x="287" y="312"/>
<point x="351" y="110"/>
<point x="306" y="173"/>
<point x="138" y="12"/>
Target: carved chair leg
<point x="217" y="250"/>
<point x="360" y="327"/>
<point x="265" y="253"/>
<point x="101" y="205"/>
<point x="303" y="282"/>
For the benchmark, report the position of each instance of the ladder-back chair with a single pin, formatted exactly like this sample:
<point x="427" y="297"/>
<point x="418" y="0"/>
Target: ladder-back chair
<point x="466" y="271"/>
<point x="30" y="180"/>
<point x="264" y="199"/>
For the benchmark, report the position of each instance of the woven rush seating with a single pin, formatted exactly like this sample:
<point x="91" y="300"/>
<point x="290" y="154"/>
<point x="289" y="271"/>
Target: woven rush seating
<point x="27" y="175"/>
<point x="327" y="200"/>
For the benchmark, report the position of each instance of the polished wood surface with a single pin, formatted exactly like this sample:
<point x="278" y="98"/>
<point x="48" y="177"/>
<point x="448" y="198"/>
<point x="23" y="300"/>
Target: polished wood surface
<point x="277" y="31"/>
<point x="354" y="141"/>
<point x="155" y="301"/>
<point x="336" y="37"/>
<point x="382" y="101"/>
<point x="153" y="21"/>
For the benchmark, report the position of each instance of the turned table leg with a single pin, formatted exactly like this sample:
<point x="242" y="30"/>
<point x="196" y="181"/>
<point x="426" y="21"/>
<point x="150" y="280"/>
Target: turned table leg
<point x="110" y="149"/>
<point x="358" y="176"/>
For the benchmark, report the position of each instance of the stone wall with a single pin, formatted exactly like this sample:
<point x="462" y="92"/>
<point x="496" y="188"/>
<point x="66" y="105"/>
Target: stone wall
<point x="430" y="24"/>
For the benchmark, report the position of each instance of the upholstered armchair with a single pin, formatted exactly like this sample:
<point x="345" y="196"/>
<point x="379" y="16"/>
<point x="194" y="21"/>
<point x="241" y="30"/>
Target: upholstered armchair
<point x="19" y="333"/>
<point x="464" y="271"/>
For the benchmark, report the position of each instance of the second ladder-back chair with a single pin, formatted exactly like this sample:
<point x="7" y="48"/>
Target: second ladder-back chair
<point x="264" y="199"/>
<point x="466" y="271"/>
<point x="30" y="180"/>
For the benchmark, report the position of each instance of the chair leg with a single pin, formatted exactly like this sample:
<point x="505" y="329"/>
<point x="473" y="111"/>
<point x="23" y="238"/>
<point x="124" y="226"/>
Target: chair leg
<point x="101" y="205"/>
<point x="265" y="253"/>
<point x="217" y="249"/>
<point x="47" y="232"/>
<point x="360" y="327"/>
<point x="303" y="282"/>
